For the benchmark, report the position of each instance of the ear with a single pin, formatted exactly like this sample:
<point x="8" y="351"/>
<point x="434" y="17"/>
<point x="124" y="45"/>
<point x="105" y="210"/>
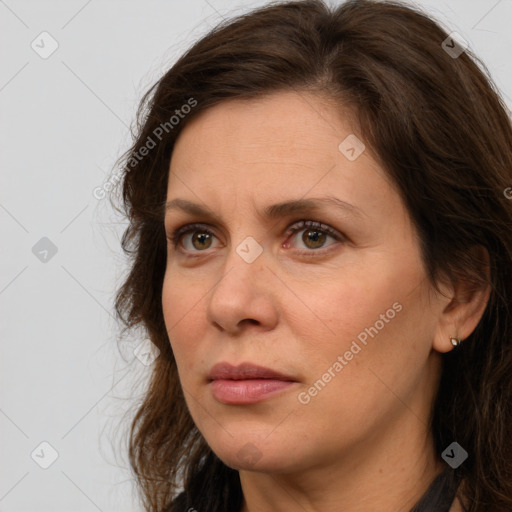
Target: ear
<point x="466" y="306"/>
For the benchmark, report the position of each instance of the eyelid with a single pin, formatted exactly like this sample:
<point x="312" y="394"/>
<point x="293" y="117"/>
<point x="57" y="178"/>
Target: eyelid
<point x="313" y="224"/>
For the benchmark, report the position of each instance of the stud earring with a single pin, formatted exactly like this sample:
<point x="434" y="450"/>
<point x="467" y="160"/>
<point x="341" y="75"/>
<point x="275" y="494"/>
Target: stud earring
<point x="455" y="341"/>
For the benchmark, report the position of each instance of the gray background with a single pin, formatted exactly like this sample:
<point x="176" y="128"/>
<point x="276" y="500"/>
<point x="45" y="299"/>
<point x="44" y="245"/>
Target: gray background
<point x="64" y="121"/>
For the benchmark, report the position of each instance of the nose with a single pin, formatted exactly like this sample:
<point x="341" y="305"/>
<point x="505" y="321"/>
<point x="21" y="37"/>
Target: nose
<point x="245" y="295"/>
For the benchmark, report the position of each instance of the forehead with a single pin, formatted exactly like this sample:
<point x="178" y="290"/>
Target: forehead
<point x="283" y="122"/>
<point x="281" y="146"/>
<point x="283" y="129"/>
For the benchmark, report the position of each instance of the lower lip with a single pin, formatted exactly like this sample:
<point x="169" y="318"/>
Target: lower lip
<point x="236" y="392"/>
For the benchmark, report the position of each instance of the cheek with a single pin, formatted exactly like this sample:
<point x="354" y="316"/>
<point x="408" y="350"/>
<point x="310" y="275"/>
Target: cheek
<point x="365" y="360"/>
<point x="184" y="322"/>
<point x="346" y="309"/>
<point x="367" y="318"/>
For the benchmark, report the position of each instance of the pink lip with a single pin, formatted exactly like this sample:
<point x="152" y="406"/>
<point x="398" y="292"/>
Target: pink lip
<point x="246" y="383"/>
<point x="238" y="392"/>
<point x="245" y="371"/>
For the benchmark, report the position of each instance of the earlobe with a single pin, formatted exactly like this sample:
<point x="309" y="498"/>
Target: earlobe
<point x="462" y="314"/>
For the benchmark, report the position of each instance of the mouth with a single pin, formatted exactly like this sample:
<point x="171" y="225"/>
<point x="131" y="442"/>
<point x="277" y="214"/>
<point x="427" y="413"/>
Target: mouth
<point x="246" y="383"/>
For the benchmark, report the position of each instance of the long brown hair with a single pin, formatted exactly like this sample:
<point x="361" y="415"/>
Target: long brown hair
<point x="441" y="131"/>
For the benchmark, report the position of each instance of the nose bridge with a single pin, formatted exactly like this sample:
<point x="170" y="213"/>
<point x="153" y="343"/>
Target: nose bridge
<point x="244" y="261"/>
<point x="242" y="292"/>
<point x="245" y="252"/>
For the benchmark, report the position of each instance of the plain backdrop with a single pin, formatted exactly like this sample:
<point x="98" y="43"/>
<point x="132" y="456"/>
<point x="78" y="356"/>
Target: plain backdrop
<point x="65" y="386"/>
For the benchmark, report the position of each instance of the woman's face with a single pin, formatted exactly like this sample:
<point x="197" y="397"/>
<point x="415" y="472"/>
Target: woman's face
<point x="347" y="316"/>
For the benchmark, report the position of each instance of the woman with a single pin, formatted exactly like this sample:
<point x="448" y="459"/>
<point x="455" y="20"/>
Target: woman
<point x="322" y="254"/>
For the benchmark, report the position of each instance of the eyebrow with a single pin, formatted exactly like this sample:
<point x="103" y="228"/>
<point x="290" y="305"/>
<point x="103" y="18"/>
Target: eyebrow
<point x="274" y="211"/>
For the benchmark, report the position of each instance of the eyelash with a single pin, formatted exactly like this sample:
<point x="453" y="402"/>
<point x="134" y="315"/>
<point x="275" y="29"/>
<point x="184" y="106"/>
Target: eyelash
<point x="174" y="237"/>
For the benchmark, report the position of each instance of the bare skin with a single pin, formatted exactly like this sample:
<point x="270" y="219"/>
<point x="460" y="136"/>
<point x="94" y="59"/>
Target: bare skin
<point x="362" y="440"/>
<point x="456" y="506"/>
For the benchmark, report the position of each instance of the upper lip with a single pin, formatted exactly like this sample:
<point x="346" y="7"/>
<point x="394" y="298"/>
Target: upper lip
<point x="245" y="371"/>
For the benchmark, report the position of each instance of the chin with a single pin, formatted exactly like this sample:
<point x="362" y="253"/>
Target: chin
<point x="255" y="453"/>
<point x="249" y="458"/>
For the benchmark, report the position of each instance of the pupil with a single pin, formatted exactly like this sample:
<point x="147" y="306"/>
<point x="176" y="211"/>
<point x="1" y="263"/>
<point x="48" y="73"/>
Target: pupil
<point x="201" y="238"/>
<point x="314" y="236"/>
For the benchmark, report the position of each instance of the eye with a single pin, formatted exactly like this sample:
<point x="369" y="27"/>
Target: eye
<point x="201" y="237"/>
<point x="314" y="236"/>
